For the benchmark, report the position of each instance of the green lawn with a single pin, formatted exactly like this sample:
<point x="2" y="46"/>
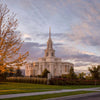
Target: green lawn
<point x="41" y="97"/>
<point x="11" y="87"/>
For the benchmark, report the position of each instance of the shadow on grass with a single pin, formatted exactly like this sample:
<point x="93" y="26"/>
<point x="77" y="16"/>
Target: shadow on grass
<point x="2" y="83"/>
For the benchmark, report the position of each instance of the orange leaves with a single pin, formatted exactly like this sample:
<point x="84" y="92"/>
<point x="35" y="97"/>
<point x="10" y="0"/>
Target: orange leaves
<point x="2" y="69"/>
<point x="10" y="42"/>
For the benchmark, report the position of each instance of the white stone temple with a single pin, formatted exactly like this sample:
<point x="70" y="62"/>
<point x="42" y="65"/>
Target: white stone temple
<point x="53" y="64"/>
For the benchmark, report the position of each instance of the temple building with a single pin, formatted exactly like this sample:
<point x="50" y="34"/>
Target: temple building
<point x="50" y="62"/>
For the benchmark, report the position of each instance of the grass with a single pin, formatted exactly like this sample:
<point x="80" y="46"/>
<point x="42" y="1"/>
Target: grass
<point x="40" y="97"/>
<point x="12" y="88"/>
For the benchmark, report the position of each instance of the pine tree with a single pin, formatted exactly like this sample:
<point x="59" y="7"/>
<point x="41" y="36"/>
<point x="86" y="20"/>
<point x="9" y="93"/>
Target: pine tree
<point x="45" y="73"/>
<point x="72" y="74"/>
<point x="11" y="71"/>
<point x="18" y="72"/>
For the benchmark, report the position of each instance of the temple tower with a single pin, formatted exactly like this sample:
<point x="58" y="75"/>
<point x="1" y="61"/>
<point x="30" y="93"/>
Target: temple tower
<point x="49" y="52"/>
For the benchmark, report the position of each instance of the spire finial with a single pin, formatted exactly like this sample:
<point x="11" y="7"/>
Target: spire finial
<point x="49" y="32"/>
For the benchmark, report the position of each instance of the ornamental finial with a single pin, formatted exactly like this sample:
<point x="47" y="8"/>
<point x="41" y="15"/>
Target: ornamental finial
<point x="49" y="32"/>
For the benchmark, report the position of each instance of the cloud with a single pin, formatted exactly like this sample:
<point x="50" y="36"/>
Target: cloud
<point x="81" y="64"/>
<point x="38" y="45"/>
<point x="70" y="53"/>
<point x="87" y="31"/>
<point x="28" y="38"/>
<point x="84" y="34"/>
<point x="75" y="28"/>
<point x="36" y="50"/>
<point x="54" y="36"/>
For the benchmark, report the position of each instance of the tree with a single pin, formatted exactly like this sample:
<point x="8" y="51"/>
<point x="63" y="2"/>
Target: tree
<point x="95" y="72"/>
<point x="3" y="75"/>
<point x="10" y="41"/>
<point x="18" y="72"/>
<point x="88" y="76"/>
<point x="45" y="73"/>
<point x="72" y="74"/>
<point x="11" y="71"/>
<point x="81" y="75"/>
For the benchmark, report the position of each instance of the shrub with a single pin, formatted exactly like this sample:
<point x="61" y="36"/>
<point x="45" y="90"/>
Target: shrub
<point x="45" y="73"/>
<point x="27" y="80"/>
<point x="63" y="81"/>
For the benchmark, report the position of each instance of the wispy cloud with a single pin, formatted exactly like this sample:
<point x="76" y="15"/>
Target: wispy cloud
<point x="75" y="27"/>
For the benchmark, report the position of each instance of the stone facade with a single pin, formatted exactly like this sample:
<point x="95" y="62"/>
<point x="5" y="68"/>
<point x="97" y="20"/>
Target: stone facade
<point x="53" y="64"/>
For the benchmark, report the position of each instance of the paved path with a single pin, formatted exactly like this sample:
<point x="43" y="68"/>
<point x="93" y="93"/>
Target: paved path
<point x="47" y="92"/>
<point x="87" y="96"/>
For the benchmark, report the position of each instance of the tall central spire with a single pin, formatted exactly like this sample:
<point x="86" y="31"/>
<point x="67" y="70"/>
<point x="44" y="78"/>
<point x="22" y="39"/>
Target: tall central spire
<point x="49" y="52"/>
<point x="49" y="32"/>
<point x="49" y="43"/>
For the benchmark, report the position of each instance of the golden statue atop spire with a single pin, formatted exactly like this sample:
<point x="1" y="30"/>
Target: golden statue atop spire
<point x="49" y="32"/>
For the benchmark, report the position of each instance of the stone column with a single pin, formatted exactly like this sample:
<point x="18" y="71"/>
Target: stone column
<point x="39" y="71"/>
<point x="43" y="66"/>
<point x="60" y="69"/>
<point x="68" y="68"/>
<point x="52" y="69"/>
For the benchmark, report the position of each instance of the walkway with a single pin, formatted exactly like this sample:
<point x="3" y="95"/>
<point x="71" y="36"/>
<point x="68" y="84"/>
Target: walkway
<point x="47" y="92"/>
<point x="87" y="96"/>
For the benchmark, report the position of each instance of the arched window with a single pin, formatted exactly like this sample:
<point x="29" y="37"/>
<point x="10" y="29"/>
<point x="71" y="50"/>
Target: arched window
<point x="47" y="54"/>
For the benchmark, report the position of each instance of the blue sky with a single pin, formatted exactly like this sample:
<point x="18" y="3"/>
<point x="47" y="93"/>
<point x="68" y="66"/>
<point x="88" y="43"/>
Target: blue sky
<point x="75" y="27"/>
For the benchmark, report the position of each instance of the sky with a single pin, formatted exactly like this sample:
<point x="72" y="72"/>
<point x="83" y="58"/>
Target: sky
<point x="75" y="27"/>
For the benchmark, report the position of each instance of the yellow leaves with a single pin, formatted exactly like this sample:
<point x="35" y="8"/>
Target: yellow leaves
<point x="10" y="42"/>
<point x="2" y="69"/>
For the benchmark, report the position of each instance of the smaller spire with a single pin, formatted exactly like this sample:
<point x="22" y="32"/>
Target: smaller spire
<point x="49" y="32"/>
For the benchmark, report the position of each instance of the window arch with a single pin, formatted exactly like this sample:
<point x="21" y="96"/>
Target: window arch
<point x="47" y="54"/>
<point x="52" y="54"/>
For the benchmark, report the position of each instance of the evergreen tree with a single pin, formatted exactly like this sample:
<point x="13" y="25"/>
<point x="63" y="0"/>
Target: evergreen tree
<point x="72" y="74"/>
<point x="18" y="72"/>
<point x="45" y="73"/>
<point x="11" y="71"/>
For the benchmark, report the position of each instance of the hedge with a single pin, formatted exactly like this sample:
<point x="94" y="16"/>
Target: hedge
<point x="53" y="81"/>
<point x="27" y="80"/>
<point x="64" y="81"/>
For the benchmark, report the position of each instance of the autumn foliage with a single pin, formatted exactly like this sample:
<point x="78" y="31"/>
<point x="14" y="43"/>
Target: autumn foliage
<point x="10" y="41"/>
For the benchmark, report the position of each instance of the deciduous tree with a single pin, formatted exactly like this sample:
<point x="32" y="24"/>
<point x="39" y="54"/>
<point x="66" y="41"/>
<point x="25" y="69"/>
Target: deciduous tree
<point x="81" y="75"/>
<point x="95" y="72"/>
<point x="10" y="40"/>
